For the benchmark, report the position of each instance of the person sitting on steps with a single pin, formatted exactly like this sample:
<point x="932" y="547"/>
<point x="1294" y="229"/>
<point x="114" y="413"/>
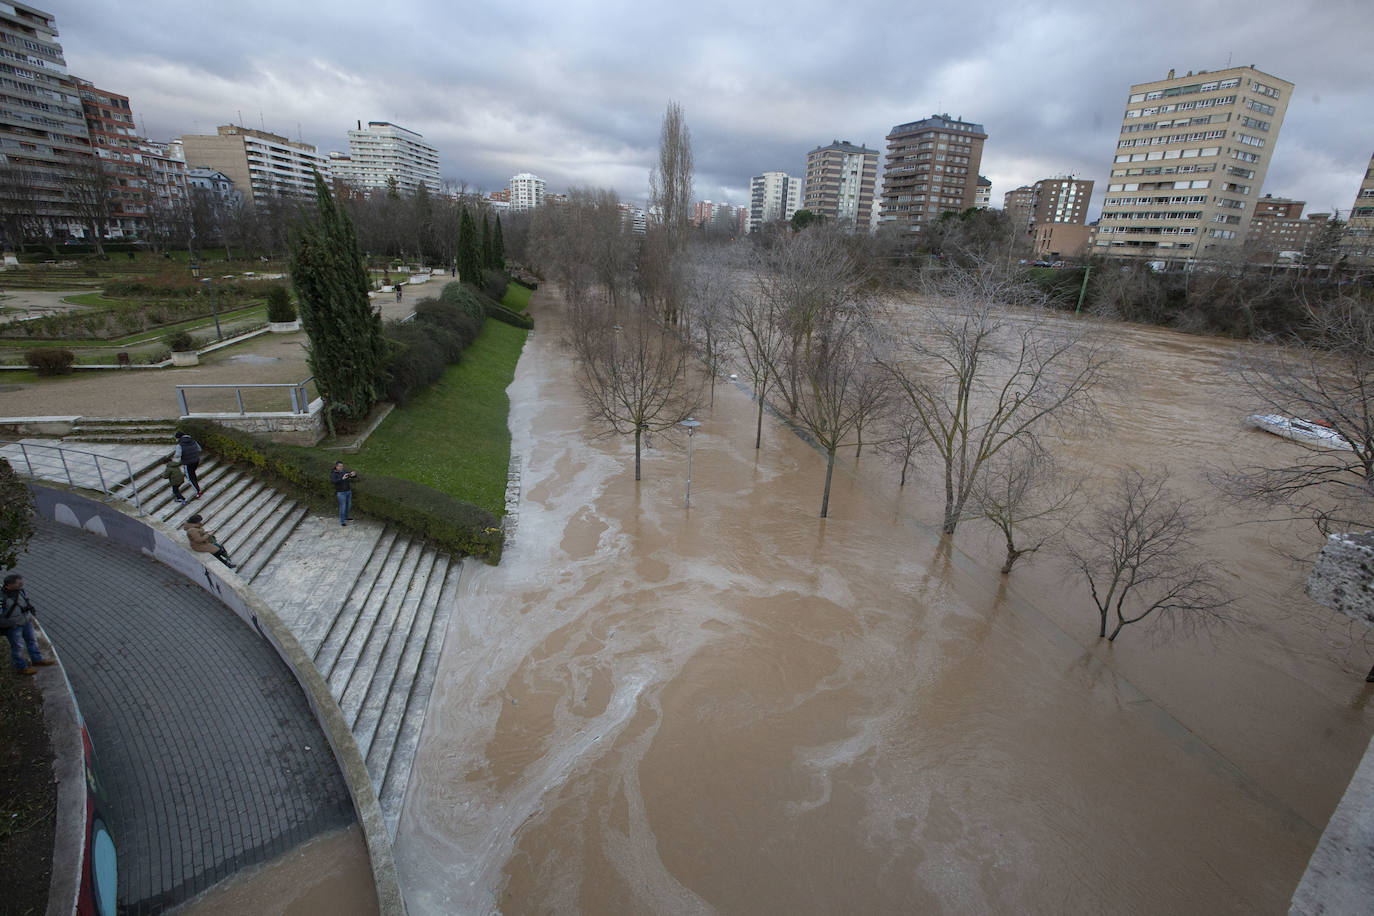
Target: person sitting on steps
<point x="203" y="541"/>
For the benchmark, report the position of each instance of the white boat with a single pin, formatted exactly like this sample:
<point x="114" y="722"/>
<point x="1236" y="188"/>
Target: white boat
<point x="1299" y="430"/>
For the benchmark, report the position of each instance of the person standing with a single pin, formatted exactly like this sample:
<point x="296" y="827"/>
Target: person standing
<point x="187" y="455"/>
<point x="398" y="291"/>
<point x="342" y="479"/>
<point x="16" y="618"/>
<point x="175" y="479"/>
<point x="203" y="541"/>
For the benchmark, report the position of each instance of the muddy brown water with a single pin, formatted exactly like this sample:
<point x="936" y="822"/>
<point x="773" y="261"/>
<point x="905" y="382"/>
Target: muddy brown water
<point x="740" y="708"/>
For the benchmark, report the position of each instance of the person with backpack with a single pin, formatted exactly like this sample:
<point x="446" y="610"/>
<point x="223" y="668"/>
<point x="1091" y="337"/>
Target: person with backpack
<point x="187" y="455"/>
<point x="16" y="619"/>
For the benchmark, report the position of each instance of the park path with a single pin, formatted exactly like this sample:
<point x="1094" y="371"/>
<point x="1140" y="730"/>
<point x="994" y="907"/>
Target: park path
<point x="210" y="756"/>
<point x="147" y="392"/>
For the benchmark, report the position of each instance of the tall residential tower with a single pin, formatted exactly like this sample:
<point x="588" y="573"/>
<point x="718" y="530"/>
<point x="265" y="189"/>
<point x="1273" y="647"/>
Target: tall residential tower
<point x="839" y="183"/>
<point x="385" y="152"/>
<point x="1190" y="162"/>
<point x="931" y="168"/>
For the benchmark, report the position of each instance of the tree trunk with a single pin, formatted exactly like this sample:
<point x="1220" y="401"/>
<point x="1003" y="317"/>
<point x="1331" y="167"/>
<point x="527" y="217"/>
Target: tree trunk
<point x="829" y="470"/>
<point x="758" y="428"/>
<point x="1119" y="625"/>
<point x="1102" y="630"/>
<point x="905" y="463"/>
<point x="638" y="433"/>
<point x="1012" y="556"/>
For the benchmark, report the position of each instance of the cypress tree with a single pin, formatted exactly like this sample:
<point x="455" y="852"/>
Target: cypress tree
<point x="498" y="247"/>
<point x="347" y="350"/>
<point x="469" y="251"/>
<point x="486" y="243"/>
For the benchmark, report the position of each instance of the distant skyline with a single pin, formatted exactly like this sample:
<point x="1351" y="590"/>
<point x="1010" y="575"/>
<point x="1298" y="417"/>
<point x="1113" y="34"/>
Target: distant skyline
<point x="575" y="92"/>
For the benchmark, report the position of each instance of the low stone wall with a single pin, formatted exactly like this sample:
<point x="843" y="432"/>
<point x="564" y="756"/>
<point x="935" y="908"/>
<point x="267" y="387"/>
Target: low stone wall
<point x="110" y="520"/>
<point x="1343" y="576"/>
<point x="40" y="427"/>
<point x="280" y="426"/>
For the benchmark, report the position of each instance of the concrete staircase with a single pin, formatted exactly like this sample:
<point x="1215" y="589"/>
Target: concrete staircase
<point x="140" y="430"/>
<point x="369" y="604"/>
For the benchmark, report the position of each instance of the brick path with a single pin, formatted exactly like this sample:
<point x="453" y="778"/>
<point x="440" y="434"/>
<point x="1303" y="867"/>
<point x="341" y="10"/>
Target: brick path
<point x="209" y="754"/>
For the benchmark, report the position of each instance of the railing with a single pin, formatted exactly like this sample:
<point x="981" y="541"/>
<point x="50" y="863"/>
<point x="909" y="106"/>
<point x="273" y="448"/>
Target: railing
<point x="299" y="396"/>
<point x="52" y="462"/>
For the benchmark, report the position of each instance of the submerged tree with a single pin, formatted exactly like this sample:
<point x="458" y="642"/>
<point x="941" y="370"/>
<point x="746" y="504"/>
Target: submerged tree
<point x="1139" y="559"/>
<point x="1022" y="486"/>
<point x="347" y="351"/>
<point x="1324" y="377"/>
<point x="670" y="201"/>
<point x="980" y="376"/>
<point x="633" y="374"/>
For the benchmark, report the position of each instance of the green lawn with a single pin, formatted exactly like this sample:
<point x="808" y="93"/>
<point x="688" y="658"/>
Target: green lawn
<point x="517" y="297"/>
<point x="454" y="437"/>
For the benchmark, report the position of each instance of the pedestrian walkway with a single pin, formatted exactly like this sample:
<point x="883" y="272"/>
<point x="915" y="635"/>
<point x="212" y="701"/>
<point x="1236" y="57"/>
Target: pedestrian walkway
<point x="209" y="754"/>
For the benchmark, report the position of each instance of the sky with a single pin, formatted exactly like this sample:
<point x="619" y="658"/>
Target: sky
<point x="575" y="92"/>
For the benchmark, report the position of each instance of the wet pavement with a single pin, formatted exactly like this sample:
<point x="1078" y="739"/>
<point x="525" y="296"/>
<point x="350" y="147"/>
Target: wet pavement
<point x="211" y="759"/>
<point x="741" y="708"/>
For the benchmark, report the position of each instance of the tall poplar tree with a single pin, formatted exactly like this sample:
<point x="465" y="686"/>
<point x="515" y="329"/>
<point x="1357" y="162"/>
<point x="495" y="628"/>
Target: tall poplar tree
<point x="347" y="349"/>
<point x="469" y="251"/>
<point x="487" y="253"/>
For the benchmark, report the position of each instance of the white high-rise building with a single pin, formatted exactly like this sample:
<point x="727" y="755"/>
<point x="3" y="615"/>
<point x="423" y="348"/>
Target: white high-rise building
<point x="773" y="196"/>
<point x="526" y="192"/>
<point x="260" y="164"/>
<point x="384" y="151"/>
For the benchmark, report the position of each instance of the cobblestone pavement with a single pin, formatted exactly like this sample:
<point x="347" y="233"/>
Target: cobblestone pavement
<point x="209" y="754"/>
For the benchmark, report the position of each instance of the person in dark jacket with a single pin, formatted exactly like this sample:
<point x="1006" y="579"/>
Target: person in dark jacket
<point x="203" y="541"/>
<point x="175" y="479"/>
<point x="187" y="455"/>
<point x="16" y="618"/>
<point x="342" y="479"/>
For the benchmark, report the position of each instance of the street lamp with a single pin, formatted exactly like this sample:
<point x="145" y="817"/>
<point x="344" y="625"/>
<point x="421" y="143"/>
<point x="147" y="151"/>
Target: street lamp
<point x="214" y="303"/>
<point x="691" y="426"/>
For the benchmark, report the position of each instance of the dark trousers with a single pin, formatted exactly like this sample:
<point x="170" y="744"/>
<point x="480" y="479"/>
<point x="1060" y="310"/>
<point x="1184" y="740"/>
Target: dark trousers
<point x="191" y="474"/>
<point x="176" y="491"/>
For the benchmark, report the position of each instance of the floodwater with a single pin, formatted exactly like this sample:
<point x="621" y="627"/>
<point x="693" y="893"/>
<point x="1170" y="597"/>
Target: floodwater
<point x="741" y="708"/>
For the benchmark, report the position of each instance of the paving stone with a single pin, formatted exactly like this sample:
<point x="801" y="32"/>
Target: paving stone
<point x="199" y="728"/>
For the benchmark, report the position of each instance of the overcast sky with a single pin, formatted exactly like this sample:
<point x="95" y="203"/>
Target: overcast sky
<point x="575" y="92"/>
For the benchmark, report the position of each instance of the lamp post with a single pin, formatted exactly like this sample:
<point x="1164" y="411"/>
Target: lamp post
<point x="691" y="426"/>
<point x="214" y="304"/>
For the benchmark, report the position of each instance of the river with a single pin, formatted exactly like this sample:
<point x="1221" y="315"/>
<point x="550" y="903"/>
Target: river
<point x="741" y="708"/>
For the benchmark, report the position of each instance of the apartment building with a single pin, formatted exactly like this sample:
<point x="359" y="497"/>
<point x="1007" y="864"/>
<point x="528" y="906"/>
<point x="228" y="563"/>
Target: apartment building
<point x="1061" y="200"/>
<point x="43" y="136"/>
<point x="384" y="152"/>
<point x="1019" y="204"/>
<point x="982" y="194"/>
<point x="1359" y="231"/>
<point x="526" y="192"/>
<point x="773" y="196"/>
<point x="840" y="180"/>
<point x="260" y="164"/>
<point x="167" y="189"/>
<point x="115" y="142"/>
<point x="931" y="168"/>
<point x="1278" y="232"/>
<point x="1190" y="162"/>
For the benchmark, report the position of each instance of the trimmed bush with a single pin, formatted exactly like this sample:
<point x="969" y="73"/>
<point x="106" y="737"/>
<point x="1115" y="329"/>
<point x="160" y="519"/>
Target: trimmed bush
<point x="466" y="298"/>
<point x="279" y="307"/>
<point x="449" y="524"/>
<point x="418" y="355"/>
<point x="50" y="360"/>
<point x="511" y="317"/>
<point x="450" y="317"/>
<point x="181" y="342"/>
<point x="494" y="284"/>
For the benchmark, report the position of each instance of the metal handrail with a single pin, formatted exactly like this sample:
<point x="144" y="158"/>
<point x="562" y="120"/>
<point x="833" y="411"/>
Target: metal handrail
<point x="63" y="452"/>
<point x="300" y="401"/>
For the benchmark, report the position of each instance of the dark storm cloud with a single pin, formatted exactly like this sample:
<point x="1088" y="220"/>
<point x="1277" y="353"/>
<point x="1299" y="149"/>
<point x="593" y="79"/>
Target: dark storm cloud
<point x="574" y="92"/>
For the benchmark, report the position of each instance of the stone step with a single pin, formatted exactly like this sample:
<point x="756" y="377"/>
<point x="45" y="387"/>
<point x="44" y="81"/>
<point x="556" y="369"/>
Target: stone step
<point x="396" y="776"/>
<point x="379" y="719"/>
<point x="287" y="519"/>
<point x="358" y="597"/>
<point x="248" y="536"/>
<point x="360" y="660"/>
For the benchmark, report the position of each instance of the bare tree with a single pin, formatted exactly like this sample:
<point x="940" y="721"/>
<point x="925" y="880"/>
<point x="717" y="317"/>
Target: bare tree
<point x="1022" y="486"/>
<point x="92" y="194"/>
<point x="670" y="181"/>
<point x="710" y="286"/>
<point x="837" y="386"/>
<point x="21" y="203"/>
<point x="980" y="376"/>
<point x="757" y="339"/>
<point x="1324" y="376"/>
<point x="904" y="436"/>
<point x="633" y="375"/>
<point x="1139" y="559"/>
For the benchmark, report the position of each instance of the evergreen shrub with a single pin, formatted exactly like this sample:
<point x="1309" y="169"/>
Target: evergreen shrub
<point x="50" y="360"/>
<point x="279" y="307"/>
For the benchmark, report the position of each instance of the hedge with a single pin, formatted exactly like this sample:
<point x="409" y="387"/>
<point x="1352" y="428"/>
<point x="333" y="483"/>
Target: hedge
<point x="450" y="524"/>
<point x="510" y="316"/>
<point x="50" y="360"/>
